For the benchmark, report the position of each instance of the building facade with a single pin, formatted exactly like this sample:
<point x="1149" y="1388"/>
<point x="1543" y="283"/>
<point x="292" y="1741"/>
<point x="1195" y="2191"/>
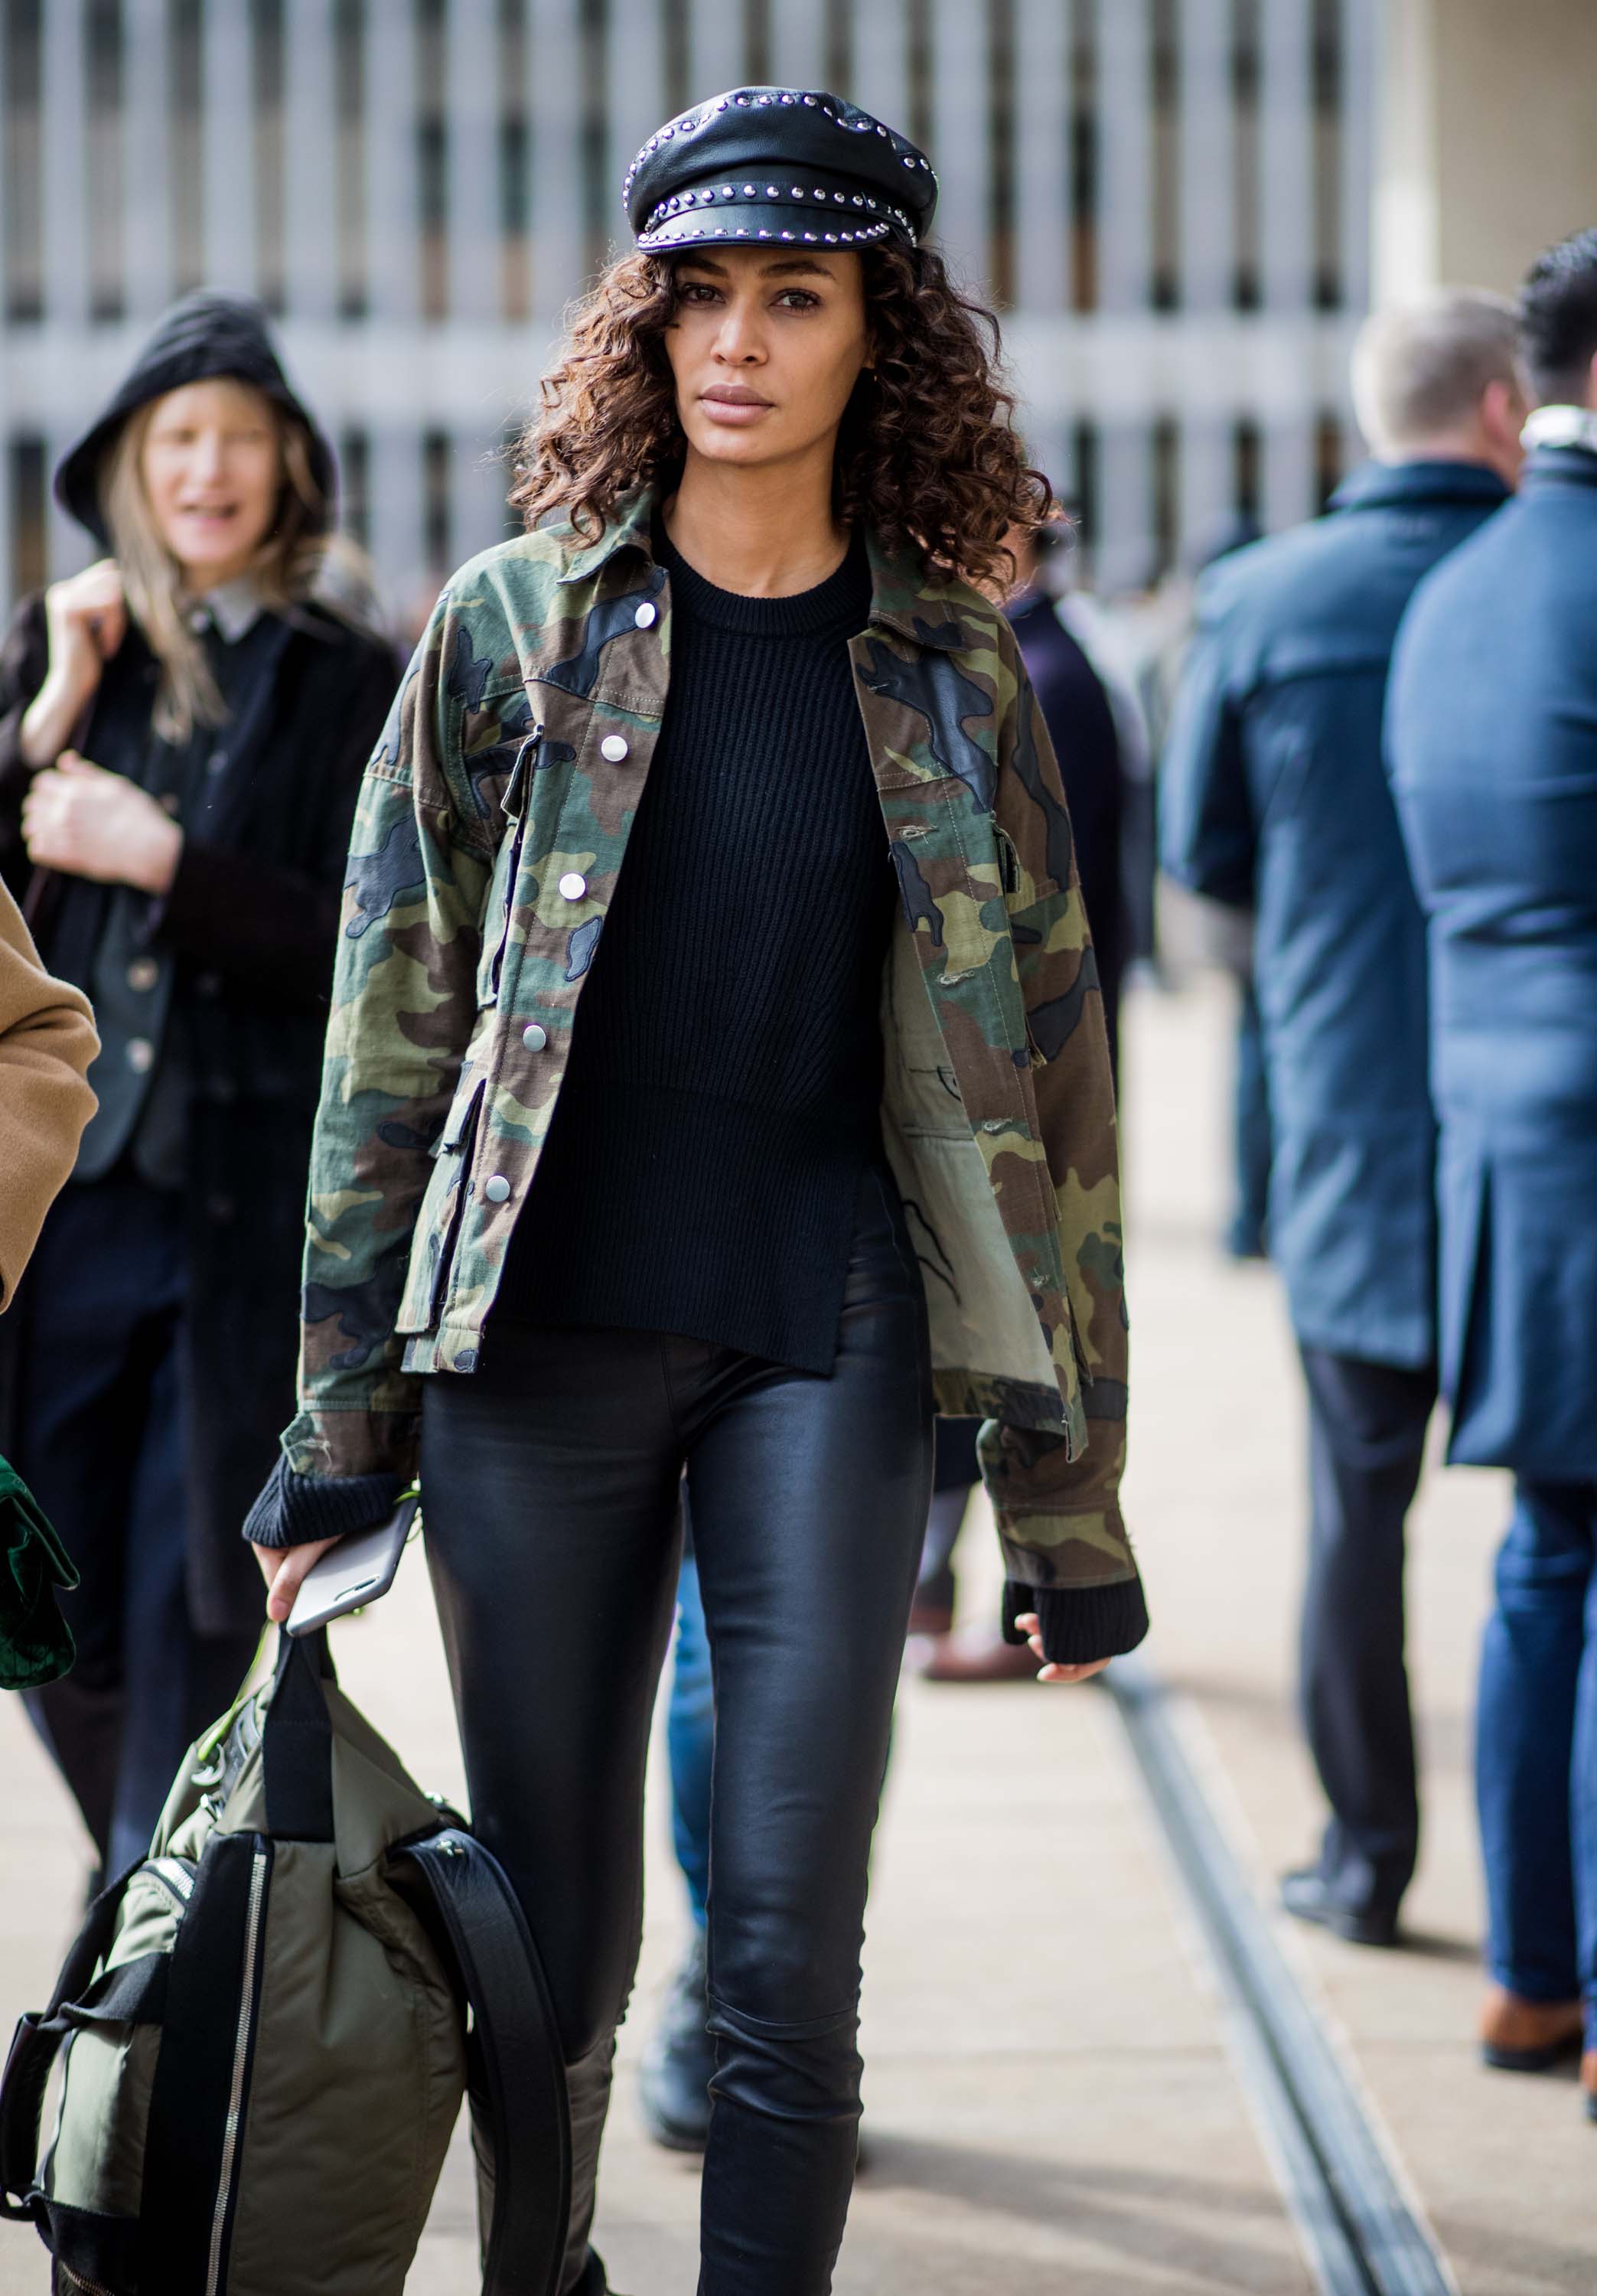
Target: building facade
<point x="1168" y="201"/>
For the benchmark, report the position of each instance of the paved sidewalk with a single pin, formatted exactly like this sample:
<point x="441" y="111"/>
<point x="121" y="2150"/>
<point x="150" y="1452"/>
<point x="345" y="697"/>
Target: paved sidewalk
<point x="1049" y="2103"/>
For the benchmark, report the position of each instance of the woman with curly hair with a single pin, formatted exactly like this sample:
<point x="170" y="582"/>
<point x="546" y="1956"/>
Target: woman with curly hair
<point x="731" y="754"/>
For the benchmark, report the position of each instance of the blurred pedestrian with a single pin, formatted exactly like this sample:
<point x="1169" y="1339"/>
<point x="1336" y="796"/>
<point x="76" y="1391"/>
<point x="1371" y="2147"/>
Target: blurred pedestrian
<point x="1492" y="737"/>
<point x="181" y="730"/>
<point x="46" y="1043"/>
<point x="721" y="965"/>
<point x="1081" y="723"/>
<point x="1275" y="798"/>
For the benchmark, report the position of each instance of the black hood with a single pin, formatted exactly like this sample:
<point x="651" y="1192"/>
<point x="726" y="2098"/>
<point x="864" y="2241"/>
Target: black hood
<point x="203" y="336"/>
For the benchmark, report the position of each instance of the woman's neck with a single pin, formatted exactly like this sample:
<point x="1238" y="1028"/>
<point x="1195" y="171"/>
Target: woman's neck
<point x="762" y="533"/>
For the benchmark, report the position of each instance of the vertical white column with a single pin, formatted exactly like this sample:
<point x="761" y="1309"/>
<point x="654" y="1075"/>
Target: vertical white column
<point x="635" y="100"/>
<point x="146" y="157"/>
<point x="799" y="43"/>
<point x="472" y="185"/>
<point x="63" y="188"/>
<point x="1286" y="252"/>
<point x="880" y="63"/>
<point x="554" y="180"/>
<point x="1044" y="101"/>
<point x="393" y="291"/>
<point x="716" y="58"/>
<point x="392" y="162"/>
<point x="67" y="549"/>
<point x="310" y="232"/>
<point x="227" y="126"/>
<point x="479" y="484"/>
<point x="1208" y="253"/>
<point x="1124" y="230"/>
<point x="1207" y="184"/>
<point x="1125" y="553"/>
<point x="960" y="139"/>
<point x="1357" y="139"/>
<point x="1124" y="186"/>
<point x="396" y="528"/>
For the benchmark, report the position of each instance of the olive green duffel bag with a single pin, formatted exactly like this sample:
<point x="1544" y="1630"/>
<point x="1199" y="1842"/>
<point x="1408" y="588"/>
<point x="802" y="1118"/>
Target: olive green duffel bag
<point x="263" y="2034"/>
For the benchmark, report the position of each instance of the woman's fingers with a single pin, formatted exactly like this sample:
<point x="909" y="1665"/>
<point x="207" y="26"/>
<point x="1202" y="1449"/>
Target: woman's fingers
<point x="1031" y="1626"/>
<point x="284" y="1569"/>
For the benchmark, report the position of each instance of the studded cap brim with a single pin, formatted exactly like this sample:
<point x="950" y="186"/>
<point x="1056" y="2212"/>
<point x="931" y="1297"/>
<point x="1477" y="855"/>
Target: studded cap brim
<point x="762" y="221"/>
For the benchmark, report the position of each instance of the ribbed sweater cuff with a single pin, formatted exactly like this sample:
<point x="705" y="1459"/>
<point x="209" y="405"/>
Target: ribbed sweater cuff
<point x="294" y="1509"/>
<point x="1080" y="1624"/>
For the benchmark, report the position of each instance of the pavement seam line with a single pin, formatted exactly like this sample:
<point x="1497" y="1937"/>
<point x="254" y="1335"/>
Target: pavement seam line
<point x="1360" y="2222"/>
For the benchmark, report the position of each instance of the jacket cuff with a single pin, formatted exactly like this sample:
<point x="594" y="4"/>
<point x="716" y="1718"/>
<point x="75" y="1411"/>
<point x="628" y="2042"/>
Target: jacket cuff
<point x="1080" y="1624"/>
<point x="294" y="1509"/>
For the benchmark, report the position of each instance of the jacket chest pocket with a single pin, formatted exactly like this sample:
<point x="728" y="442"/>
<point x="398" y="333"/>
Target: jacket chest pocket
<point x="499" y="915"/>
<point x="438" y="1222"/>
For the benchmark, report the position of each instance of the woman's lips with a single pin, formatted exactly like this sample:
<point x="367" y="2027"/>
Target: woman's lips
<point x="737" y="411"/>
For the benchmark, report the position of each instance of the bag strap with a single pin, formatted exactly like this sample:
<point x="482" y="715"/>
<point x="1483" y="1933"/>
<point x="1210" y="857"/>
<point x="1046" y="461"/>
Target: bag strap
<point x="296" y="1741"/>
<point x="34" y="2050"/>
<point x="524" y="2102"/>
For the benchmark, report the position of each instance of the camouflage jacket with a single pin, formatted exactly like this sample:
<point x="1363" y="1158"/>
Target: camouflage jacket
<point x="492" y="825"/>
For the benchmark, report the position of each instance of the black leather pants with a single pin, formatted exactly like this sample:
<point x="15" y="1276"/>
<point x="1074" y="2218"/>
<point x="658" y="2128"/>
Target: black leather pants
<point x="550" y="1484"/>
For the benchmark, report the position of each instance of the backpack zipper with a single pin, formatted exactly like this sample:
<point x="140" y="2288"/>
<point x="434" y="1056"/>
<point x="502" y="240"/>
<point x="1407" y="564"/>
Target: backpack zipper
<point x="243" y="2048"/>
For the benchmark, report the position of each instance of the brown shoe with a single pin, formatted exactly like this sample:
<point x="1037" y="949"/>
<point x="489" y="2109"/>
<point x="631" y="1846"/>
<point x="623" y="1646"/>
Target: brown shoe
<point x="1528" y="2036"/>
<point x="980" y="1657"/>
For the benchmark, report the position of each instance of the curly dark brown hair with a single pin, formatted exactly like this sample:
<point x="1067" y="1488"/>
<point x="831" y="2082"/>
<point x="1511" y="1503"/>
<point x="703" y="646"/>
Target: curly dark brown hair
<point x="927" y="456"/>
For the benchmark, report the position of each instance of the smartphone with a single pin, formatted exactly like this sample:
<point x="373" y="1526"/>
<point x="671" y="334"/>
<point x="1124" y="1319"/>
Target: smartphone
<point x="357" y="1571"/>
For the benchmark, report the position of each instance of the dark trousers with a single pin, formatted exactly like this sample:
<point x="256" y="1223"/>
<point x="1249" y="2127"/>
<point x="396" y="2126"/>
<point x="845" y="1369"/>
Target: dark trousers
<point x="550" y="1484"/>
<point x="1535" y="1753"/>
<point x="1367" y="1423"/>
<point x="101" y="1441"/>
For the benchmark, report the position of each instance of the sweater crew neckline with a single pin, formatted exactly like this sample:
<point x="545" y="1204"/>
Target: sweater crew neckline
<point x="842" y="603"/>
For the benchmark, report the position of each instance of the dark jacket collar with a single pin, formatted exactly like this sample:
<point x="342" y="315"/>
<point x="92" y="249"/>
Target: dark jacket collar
<point x="1559" y="466"/>
<point x="1404" y="486"/>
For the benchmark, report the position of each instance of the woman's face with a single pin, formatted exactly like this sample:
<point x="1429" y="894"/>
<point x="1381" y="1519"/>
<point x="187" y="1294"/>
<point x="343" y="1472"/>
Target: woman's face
<point x="765" y="347"/>
<point x="212" y="465"/>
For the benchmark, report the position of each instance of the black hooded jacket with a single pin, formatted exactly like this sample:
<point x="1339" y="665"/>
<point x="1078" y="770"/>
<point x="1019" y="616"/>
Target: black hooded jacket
<point x="251" y="920"/>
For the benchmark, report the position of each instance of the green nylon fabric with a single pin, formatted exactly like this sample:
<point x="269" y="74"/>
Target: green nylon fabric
<point x="36" y="1642"/>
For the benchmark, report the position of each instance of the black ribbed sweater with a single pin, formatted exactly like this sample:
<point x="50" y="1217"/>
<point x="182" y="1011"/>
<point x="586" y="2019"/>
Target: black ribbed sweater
<point x="722" y="1095"/>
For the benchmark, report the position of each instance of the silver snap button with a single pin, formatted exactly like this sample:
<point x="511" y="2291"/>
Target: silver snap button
<point x="535" y="1038"/>
<point x="143" y="973"/>
<point x="571" y="885"/>
<point x="646" y="615"/>
<point x="497" y="1190"/>
<point x="613" y="747"/>
<point x="140" y="1055"/>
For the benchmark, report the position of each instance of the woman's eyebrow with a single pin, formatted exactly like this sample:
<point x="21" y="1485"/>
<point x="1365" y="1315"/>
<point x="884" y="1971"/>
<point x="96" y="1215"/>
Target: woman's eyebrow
<point x="782" y="265"/>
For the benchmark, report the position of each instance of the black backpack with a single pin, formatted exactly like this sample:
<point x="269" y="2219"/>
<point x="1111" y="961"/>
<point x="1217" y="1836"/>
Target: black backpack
<point x="262" y="2037"/>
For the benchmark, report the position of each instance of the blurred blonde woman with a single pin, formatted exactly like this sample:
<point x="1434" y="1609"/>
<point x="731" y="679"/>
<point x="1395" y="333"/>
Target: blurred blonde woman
<point x="182" y="733"/>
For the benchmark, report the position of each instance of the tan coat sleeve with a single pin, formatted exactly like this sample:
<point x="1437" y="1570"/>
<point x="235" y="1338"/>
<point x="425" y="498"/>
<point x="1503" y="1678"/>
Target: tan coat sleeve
<point x="46" y="1042"/>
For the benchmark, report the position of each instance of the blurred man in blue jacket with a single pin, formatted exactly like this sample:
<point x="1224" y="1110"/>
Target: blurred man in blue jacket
<point x="1492" y="739"/>
<point x="1274" y="798"/>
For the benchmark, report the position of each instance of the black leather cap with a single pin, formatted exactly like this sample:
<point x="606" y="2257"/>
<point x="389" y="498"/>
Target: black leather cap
<point x="778" y="163"/>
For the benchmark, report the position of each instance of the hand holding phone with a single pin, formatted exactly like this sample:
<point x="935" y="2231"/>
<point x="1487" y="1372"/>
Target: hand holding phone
<point x="359" y="1569"/>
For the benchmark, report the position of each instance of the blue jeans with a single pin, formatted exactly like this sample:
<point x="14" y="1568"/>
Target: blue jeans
<point x="1537" y="1750"/>
<point x="691" y="1740"/>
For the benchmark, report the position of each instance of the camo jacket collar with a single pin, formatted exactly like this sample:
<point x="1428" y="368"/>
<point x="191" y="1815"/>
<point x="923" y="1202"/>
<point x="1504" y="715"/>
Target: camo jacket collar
<point x="904" y="598"/>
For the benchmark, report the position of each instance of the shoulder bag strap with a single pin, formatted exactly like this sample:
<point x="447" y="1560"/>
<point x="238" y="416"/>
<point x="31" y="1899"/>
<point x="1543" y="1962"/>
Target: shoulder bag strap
<point x="33" y="2051"/>
<point x="525" y="2110"/>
